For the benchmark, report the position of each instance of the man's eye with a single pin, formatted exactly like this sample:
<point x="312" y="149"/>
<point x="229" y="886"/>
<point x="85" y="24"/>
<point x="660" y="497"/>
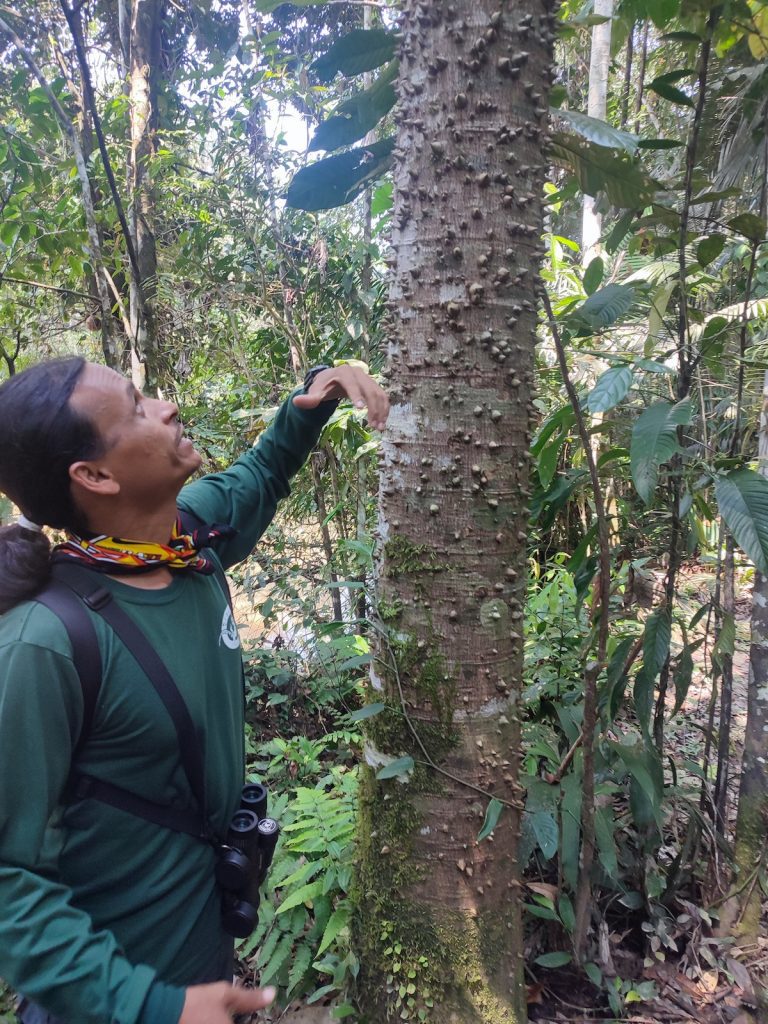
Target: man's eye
<point x="139" y="406"/>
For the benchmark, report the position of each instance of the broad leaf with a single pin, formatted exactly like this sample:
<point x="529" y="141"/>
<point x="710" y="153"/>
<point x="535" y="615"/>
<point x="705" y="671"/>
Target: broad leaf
<point x="670" y="92"/>
<point x="553" y="959"/>
<point x="494" y="809"/>
<point x="395" y="769"/>
<point x="598" y="131"/>
<point x="338" y="920"/>
<point x="709" y="249"/>
<point x="337" y="180"/>
<point x="545" y="829"/>
<point x="610" y="388"/>
<point x="656" y="639"/>
<point x="749" y="225"/>
<point x="593" y="275"/>
<point x="606" y="306"/>
<point x="366" y="712"/>
<point x="642" y="762"/>
<point x="355" y="117"/>
<point x="599" y="169"/>
<point x="682" y="677"/>
<point x="742" y="497"/>
<point x="358" y="51"/>
<point x="661" y="12"/>
<point x="654" y="441"/>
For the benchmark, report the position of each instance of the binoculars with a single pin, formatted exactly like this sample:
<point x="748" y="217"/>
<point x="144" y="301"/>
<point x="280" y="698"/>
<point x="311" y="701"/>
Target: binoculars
<point x="244" y="859"/>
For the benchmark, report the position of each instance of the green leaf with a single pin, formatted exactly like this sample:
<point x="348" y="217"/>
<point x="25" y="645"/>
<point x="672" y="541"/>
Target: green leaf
<point x="492" y="812"/>
<point x="661" y="11"/>
<point x="742" y="498"/>
<point x="709" y="249"/>
<point x="670" y="92"/>
<point x="597" y="131"/>
<point x="656" y="639"/>
<point x="682" y="678"/>
<point x="279" y="957"/>
<point x="401" y="766"/>
<point x="545" y="829"/>
<point x="606" y="306"/>
<point x="301" y="963"/>
<point x="381" y="200"/>
<point x="643" y="764"/>
<point x="610" y="388"/>
<point x="593" y="275"/>
<point x="305" y="894"/>
<point x="338" y="920"/>
<point x="338" y="179"/>
<point x="654" y="441"/>
<point x="749" y="225"/>
<point x="358" y="51"/>
<point x="594" y="974"/>
<point x="659" y="144"/>
<point x="599" y="169"/>
<point x="566" y="912"/>
<point x="553" y="959"/>
<point x="356" y="116"/>
<point x="367" y="712"/>
<point x="606" y="845"/>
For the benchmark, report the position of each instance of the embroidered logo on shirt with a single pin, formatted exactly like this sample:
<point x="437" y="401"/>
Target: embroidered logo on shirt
<point x="229" y="634"/>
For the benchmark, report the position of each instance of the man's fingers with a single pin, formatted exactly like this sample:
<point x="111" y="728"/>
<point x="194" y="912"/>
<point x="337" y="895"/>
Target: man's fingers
<point x="247" y="1000"/>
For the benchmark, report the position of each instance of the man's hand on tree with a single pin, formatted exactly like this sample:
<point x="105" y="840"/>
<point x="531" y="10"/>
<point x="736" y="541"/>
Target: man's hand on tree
<point x="348" y="382"/>
<point x="217" y="1003"/>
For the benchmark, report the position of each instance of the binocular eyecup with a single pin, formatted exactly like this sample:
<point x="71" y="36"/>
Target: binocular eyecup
<point x="244" y="861"/>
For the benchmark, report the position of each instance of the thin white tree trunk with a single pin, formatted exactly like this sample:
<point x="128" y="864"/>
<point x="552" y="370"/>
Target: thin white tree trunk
<point x="597" y="101"/>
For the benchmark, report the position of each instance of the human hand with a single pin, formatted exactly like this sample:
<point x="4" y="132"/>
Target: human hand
<point x="216" y="1004"/>
<point x="348" y="382"/>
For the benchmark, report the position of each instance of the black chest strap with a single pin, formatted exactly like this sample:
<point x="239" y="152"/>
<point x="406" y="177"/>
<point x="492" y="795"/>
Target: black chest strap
<point x="73" y="588"/>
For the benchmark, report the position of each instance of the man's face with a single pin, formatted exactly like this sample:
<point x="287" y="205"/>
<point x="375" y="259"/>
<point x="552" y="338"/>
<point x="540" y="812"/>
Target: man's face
<point x="144" y="447"/>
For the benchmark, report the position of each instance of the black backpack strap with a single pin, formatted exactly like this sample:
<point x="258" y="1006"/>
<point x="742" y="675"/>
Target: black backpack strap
<point x="85" y="649"/>
<point x="190" y="521"/>
<point x="83" y="587"/>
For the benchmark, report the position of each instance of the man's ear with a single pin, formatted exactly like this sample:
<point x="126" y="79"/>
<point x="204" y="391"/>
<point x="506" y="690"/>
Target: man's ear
<point x="93" y="478"/>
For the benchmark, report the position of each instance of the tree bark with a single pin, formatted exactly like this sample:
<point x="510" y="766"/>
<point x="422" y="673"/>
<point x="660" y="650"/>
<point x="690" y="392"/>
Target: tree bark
<point x="438" y="926"/>
<point x="740" y="916"/>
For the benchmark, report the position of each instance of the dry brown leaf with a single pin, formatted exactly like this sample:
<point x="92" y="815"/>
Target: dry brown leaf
<point x="543" y="889"/>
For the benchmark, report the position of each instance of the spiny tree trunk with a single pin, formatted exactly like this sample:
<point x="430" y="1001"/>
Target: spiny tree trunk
<point x="741" y="914"/>
<point x="438" y="924"/>
<point x="144" y="71"/>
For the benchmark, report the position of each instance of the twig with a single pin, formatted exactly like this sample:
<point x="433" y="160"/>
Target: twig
<point x="47" y="287"/>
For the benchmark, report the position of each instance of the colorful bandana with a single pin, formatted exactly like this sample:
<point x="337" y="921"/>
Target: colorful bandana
<point x="116" y="556"/>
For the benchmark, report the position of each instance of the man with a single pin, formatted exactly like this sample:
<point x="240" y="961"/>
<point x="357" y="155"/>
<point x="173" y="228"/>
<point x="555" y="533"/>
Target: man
<point x="108" y="918"/>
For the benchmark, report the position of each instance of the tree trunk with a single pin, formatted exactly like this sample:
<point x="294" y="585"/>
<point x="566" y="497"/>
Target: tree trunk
<point x="145" y="69"/>
<point x="438" y="924"/>
<point x="741" y="914"/>
<point x="597" y="98"/>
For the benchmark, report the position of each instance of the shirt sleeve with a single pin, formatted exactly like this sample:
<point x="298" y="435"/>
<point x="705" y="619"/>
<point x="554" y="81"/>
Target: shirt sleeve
<point x="246" y="495"/>
<point x="49" y="948"/>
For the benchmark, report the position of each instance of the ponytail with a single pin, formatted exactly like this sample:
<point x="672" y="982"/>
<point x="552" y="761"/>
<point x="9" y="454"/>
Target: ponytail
<point x="42" y="435"/>
<point x="24" y="564"/>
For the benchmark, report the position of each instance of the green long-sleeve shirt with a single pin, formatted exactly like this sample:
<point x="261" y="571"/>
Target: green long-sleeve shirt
<point x="105" y="917"/>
